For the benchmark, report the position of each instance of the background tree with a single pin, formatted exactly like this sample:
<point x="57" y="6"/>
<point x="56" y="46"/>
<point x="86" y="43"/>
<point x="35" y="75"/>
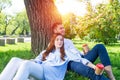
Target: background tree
<point x="4" y="23"/>
<point x="69" y="22"/>
<point x="3" y="4"/>
<point x="41" y="14"/>
<point x="21" y="24"/>
<point x="102" y="23"/>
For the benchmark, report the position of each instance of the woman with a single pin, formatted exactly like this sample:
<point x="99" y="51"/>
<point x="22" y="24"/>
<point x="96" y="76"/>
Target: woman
<point x="51" y="64"/>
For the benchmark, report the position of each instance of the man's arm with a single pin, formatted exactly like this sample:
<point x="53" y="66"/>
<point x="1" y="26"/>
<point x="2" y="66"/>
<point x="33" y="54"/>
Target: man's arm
<point x="68" y="44"/>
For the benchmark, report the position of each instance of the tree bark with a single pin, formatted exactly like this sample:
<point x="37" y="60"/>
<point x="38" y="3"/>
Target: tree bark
<point x="41" y="14"/>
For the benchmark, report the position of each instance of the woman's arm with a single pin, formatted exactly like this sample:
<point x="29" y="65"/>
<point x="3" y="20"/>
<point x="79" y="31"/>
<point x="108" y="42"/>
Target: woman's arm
<point x="38" y="59"/>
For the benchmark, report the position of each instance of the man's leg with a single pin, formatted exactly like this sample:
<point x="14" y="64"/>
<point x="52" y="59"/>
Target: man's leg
<point x="10" y="69"/>
<point x="100" y="51"/>
<point x="85" y="71"/>
<point x="29" y="68"/>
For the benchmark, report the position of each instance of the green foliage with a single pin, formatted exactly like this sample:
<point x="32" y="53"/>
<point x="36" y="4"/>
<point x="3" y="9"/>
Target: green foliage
<point x="21" y="50"/>
<point x="5" y="22"/>
<point x="70" y="25"/>
<point x="14" y="25"/>
<point x="101" y="24"/>
<point x="21" y="24"/>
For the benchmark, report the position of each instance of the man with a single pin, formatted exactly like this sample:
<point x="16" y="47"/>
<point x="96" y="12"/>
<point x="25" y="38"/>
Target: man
<point x="86" y="68"/>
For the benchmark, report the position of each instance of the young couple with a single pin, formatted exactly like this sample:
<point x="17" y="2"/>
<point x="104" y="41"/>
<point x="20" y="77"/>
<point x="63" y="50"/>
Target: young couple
<point x="60" y="55"/>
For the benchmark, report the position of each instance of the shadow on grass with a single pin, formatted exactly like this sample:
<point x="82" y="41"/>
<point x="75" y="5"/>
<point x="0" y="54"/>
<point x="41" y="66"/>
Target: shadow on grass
<point x="73" y="76"/>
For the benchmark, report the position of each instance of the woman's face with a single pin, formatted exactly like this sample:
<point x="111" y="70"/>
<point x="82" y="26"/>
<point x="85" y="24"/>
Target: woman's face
<point x="59" y="41"/>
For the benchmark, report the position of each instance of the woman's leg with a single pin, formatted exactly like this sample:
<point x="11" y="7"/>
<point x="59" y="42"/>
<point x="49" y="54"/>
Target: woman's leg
<point x="85" y="71"/>
<point x="29" y="68"/>
<point x="100" y="51"/>
<point x="10" y="69"/>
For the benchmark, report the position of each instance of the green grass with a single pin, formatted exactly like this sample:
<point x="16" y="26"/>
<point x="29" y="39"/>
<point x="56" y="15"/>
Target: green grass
<point x="23" y="50"/>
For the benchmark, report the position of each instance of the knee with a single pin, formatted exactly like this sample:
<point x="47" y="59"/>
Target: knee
<point x="15" y="59"/>
<point x="99" y="46"/>
<point x="26" y="64"/>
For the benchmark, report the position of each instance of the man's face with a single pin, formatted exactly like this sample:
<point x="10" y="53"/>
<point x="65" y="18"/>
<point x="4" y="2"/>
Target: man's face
<point x="60" y="29"/>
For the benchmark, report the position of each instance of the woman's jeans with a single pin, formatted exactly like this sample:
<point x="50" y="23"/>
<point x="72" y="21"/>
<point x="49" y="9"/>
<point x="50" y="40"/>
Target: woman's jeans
<point x="98" y="51"/>
<point x="20" y="70"/>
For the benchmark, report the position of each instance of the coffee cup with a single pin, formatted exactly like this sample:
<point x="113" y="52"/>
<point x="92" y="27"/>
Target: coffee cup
<point x="99" y="69"/>
<point x="85" y="48"/>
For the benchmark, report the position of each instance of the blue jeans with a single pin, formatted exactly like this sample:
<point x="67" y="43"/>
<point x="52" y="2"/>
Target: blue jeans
<point x="98" y="51"/>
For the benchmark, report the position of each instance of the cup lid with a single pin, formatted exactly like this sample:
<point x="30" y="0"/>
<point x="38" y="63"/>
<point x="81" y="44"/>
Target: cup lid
<point x="84" y="45"/>
<point x="99" y="65"/>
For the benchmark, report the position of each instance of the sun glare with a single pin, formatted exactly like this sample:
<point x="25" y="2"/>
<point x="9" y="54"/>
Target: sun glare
<point x="71" y="6"/>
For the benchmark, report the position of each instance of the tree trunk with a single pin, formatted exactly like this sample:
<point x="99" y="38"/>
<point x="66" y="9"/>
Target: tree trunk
<point x="41" y="14"/>
<point x="13" y="32"/>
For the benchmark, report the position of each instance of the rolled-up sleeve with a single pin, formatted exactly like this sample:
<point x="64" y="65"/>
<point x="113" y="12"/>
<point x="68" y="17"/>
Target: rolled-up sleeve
<point x="76" y="57"/>
<point x="73" y="53"/>
<point x="68" y="45"/>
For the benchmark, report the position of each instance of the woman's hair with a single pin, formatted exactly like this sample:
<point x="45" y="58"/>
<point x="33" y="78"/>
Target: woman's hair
<point x="51" y="47"/>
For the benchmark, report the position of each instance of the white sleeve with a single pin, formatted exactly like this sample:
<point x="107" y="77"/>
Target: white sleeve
<point x="70" y="46"/>
<point x="38" y="59"/>
<point x="76" y="57"/>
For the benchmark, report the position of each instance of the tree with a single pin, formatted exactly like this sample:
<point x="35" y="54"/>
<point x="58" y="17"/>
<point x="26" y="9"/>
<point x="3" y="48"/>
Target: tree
<point x="108" y="25"/>
<point x="21" y="25"/>
<point x="4" y="23"/>
<point x="3" y="4"/>
<point x="69" y="22"/>
<point x="41" y="14"/>
<point x="101" y="24"/>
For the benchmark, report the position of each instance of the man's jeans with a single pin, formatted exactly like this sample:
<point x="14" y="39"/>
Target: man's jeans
<point x="98" y="51"/>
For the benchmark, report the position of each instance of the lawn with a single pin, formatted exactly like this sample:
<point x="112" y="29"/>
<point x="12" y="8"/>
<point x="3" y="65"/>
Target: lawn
<point x="22" y="50"/>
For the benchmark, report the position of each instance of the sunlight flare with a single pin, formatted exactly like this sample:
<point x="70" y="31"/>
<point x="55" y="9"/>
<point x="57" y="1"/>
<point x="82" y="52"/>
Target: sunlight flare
<point x="71" y="6"/>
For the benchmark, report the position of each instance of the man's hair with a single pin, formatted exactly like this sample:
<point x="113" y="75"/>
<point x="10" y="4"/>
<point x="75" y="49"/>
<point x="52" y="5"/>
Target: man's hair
<point x="55" y="25"/>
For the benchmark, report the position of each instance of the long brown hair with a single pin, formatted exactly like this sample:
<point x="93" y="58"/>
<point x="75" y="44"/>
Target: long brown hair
<point x="51" y="47"/>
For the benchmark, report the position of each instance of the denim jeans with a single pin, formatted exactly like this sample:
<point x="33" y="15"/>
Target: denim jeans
<point x="98" y="51"/>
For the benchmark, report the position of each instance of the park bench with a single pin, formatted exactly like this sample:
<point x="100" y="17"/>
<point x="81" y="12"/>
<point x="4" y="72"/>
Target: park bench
<point x="2" y="41"/>
<point x="20" y="39"/>
<point x="24" y="39"/>
<point x="10" y="40"/>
